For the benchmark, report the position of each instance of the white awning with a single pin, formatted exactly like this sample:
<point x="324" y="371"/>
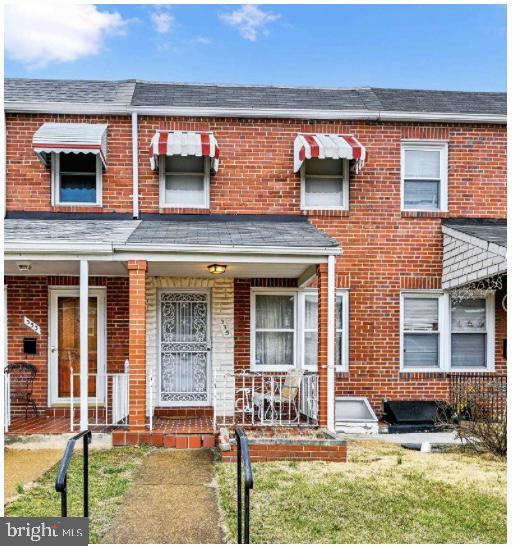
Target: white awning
<point x="331" y="146"/>
<point x="184" y="143"/>
<point x="70" y="138"/>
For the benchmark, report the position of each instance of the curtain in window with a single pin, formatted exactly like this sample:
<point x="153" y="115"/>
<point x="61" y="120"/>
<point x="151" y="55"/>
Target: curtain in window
<point x="468" y="339"/>
<point x="422" y="163"/>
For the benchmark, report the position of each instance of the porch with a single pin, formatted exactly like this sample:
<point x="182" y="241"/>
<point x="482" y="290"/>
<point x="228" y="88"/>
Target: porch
<point x="184" y="330"/>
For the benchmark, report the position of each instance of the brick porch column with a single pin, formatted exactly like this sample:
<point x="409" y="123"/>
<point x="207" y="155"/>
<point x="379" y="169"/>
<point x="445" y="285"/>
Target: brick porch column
<point x="326" y="344"/>
<point x="137" y="343"/>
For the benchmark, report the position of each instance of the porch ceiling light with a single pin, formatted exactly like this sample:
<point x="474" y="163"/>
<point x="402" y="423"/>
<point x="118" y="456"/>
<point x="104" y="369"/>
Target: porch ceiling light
<point x="217" y="269"/>
<point x="24" y="266"/>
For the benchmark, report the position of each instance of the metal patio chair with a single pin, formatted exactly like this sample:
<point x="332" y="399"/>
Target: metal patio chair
<point x="22" y="375"/>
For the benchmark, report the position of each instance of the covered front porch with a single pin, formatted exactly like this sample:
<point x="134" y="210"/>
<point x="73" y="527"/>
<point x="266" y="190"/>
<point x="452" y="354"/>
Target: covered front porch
<point x="158" y="344"/>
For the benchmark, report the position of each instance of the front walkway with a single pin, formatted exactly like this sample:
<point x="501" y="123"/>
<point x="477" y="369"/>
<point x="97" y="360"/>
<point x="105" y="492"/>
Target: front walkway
<point x="171" y="501"/>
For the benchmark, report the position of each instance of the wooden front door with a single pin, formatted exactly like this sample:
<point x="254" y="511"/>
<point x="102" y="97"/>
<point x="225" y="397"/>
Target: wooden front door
<point x="68" y="347"/>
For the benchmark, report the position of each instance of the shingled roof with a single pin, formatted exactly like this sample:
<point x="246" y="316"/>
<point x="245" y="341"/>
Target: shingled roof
<point x="135" y="93"/>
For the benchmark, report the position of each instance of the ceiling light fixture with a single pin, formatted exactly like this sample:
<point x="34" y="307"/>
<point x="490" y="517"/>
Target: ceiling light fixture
<point x="24" y="266"/>
<point x="217" y="269"/>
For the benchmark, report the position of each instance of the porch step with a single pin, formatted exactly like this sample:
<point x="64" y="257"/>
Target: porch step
<point x="163" y="439"/>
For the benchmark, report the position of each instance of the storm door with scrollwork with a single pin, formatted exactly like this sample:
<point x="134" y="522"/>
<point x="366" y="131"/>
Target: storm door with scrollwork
<point x="184" y="347"/>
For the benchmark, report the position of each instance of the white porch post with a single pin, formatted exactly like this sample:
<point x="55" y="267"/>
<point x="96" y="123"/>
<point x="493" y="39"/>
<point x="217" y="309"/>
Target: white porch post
<point x="84" y="345"/>
<point x="331" y="344"/>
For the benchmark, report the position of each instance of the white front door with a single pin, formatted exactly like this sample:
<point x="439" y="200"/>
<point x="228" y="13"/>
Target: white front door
<point x="64" y="344"/>
<point x="184" y="347"/>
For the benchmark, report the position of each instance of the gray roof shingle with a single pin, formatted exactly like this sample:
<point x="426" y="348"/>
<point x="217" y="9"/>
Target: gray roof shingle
<point x="489" y="230"/>
<point x="233" y="232"/>
<point x="143" y="93"/>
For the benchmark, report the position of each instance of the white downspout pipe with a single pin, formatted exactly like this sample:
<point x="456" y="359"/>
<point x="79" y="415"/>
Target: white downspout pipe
<point x="331" y="343"/>
<point x="84" y="343"/>
<point x="135" y="166"/>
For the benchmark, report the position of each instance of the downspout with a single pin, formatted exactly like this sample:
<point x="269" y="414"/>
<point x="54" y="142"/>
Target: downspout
<point x="135" y="167"/>
<point x="331" y="342"/>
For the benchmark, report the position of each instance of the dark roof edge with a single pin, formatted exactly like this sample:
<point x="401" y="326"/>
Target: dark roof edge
<point x="474" y="222"/>
<point x="43" y="215"/>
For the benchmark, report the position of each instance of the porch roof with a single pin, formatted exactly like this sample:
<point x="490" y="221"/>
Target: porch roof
<point x="184" y="233"/>
<point x="474" y="249"/>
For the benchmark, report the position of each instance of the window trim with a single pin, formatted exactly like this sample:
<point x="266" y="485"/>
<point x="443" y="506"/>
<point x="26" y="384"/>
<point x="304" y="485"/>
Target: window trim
<point x="162" y="186"/>
<point x="345" y="187"/>
<point x="299" y="310"/>
<point x="440" y="146"/>
<point x="56" y="183"/>
<point x="275" y="292"/>
<point x="445" y="333"/>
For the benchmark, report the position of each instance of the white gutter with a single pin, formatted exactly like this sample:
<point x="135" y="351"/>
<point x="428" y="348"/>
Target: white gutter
<point x="372" y="115"/>
<point x="43" y="247"/>
<point x="135" y="166"/>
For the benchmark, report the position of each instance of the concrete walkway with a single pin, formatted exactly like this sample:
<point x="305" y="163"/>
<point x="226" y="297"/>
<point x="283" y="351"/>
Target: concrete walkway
<point x="171" y="501"/>
<point x="436" y="438"/>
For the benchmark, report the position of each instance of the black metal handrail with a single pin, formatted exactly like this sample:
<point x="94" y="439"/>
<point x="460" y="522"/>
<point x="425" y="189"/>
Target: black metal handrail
<point x="243" y="464"/>
<point x="61" y="482"/>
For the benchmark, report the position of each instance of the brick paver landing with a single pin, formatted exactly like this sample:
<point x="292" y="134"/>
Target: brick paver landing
<point x="171" y="501"/>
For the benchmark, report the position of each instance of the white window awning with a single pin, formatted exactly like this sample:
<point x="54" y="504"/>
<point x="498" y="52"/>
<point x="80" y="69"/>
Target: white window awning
<point x="70" y="138"/>
<point x="184" y="143"/>
<point x="328" y="146"/>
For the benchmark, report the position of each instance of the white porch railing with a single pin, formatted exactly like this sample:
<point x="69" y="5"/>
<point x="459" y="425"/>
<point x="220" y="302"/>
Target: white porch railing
<point x="7" y="401"/>
<point x="111" y="406"/>
<point x="266" y="399"/>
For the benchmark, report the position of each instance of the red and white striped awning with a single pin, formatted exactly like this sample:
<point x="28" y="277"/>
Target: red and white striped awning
<point x="184" y="143"/>
<point x="308" y="146"/>
<point x="70" y="138"/>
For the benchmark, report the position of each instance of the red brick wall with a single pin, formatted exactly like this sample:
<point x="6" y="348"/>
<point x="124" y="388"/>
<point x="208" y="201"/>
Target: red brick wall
<point x="28" y="296"/>
<point x="261" y="453"/>
<point x="28" y="181"/>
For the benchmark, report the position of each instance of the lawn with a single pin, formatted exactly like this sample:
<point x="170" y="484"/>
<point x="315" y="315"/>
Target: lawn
<point x="110" y="473"/>
<point x="384" y="494"/>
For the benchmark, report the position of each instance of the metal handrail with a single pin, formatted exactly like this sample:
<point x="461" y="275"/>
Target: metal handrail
<point x="243" y="463"/>
<point x="61" y="482"/>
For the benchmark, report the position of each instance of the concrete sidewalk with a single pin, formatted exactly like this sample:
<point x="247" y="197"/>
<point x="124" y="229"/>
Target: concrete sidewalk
<point x="171" y="501"/>
<point x="436" y="438"/>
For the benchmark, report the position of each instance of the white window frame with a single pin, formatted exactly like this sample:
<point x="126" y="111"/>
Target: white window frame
<point x="275" y="292"/>
<point x="490" y="337"/>
<point x="299" y="329"/>
<point x="56" y="183"/>
<point x="345" y="187"/>
<point x="427" y="145"/>
<point x="445" y="333"/>
<point x="176" y="204"/>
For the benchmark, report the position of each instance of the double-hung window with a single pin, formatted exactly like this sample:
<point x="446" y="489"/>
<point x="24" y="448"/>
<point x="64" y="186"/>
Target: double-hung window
<point x="76" y="179"/>
<point x="184" y="181"/>
<point x="325" y="184"/>
<point x="439" y="333"/>
<point x="424" y="176"/>
<point x="274" y="335"/>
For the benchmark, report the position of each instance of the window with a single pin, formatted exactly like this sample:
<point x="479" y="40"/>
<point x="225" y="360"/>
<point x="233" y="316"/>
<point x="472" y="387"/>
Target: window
<point x="424" y="176"/>
<point x="325" y="184"/>
<point x="184" y="181"/>
<point x="421" y="332"/>
<point x="76" y="179"/>
<point x="468" y="334"/>
<point x="274" y="330"/>
<point x="441" y="334"/>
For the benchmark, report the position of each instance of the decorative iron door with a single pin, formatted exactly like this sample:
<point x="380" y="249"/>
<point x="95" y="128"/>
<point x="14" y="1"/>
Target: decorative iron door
<point x="184" y="348"/>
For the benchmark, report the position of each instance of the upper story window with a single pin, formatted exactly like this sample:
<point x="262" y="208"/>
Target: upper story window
<point x="76" y="179"/>
<point x="443" y="334"/>
<point x="325" y="184"/>
<point x="184" y="181"/>
<point x="424" y="176"/>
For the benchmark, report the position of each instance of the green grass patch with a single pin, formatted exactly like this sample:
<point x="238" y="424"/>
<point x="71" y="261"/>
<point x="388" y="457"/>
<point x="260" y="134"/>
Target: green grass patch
<point x="374" y="498"/>
<point x="110" y="474"/>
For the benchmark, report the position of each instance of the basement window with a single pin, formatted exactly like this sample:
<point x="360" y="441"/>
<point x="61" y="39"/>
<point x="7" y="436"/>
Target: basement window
<point x="76" y="179"/>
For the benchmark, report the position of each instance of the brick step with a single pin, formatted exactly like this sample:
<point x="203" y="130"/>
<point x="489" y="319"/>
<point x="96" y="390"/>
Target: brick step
<point x="163" y="439"/>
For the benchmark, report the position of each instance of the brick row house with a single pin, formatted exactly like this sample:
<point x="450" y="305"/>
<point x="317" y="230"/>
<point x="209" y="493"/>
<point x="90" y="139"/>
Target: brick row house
<point x="183" y="256"/>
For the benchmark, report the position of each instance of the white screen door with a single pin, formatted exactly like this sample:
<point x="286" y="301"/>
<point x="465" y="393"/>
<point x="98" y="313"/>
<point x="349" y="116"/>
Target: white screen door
<point x="184" y="348"/>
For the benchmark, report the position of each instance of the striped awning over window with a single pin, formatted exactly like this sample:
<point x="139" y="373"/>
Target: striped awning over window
<point x="184" y="143"/>
<point x="330" y="146"/>
<point x="70" y="138"/>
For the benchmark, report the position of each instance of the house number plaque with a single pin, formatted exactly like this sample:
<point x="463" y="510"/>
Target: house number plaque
<point x="32" y="325"/>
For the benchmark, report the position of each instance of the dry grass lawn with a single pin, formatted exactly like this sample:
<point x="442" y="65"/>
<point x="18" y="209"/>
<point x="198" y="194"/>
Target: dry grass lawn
<point x="384" y="494"/>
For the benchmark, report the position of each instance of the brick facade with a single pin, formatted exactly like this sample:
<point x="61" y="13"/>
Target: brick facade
<point x="384" y="250"/>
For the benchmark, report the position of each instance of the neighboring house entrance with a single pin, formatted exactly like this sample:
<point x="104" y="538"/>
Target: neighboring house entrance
<point x="65" y="344"/>
<point x="184" y="347"/>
